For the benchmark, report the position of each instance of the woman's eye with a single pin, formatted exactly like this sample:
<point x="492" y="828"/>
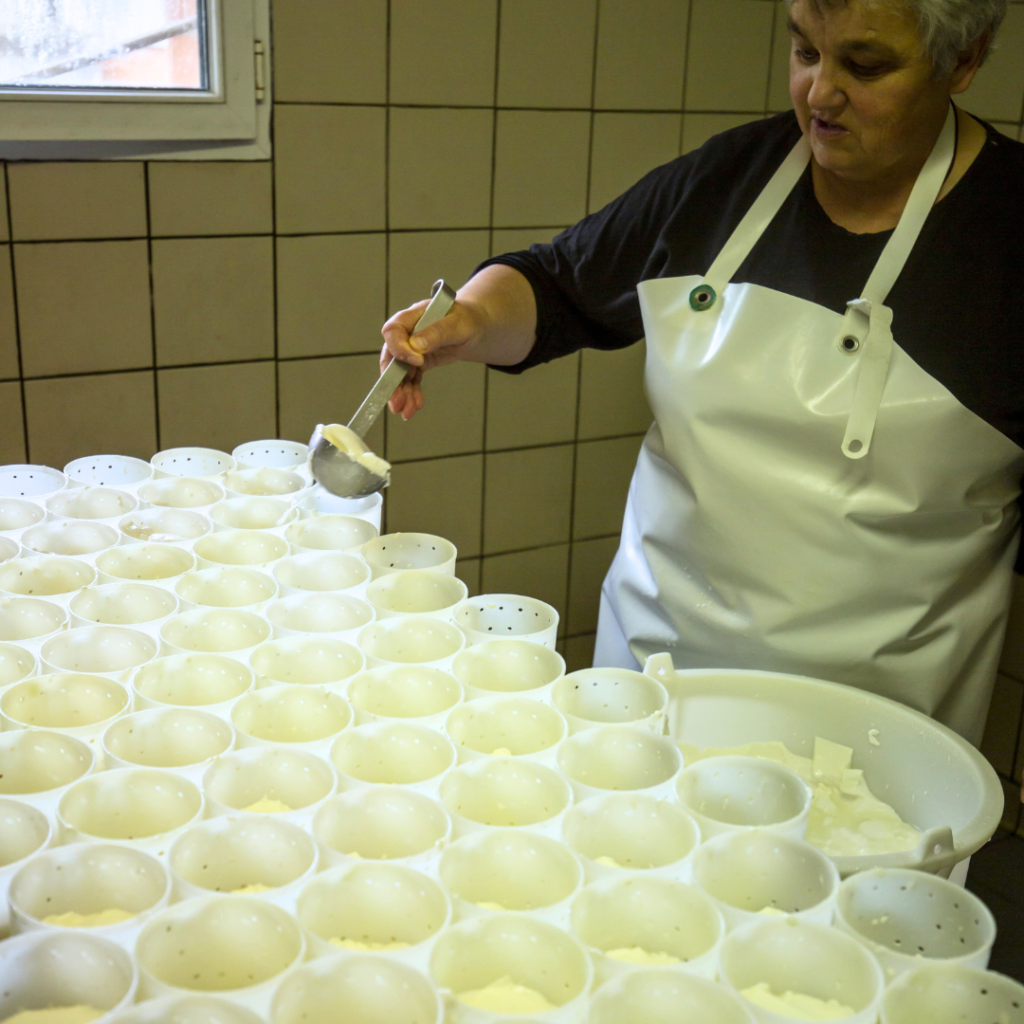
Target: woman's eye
<point x="865" y="70"/>
<point x="807" y="56"/>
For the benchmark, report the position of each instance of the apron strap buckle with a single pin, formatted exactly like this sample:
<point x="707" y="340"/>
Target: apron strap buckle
<point x="876" y="345"/>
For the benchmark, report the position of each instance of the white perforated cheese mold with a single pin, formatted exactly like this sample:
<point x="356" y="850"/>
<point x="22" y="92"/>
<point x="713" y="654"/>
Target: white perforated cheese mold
<point x="307" y="776"/>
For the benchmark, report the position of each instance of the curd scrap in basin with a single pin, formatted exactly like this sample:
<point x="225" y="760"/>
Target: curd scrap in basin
<point x="847" y="819"/>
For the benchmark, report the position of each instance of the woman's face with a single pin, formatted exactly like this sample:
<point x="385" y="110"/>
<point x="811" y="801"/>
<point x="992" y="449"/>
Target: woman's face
<point x="863" y="88"/>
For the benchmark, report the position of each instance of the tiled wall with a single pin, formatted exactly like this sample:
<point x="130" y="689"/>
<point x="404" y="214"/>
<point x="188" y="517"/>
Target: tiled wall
<point x="153" y="305"/>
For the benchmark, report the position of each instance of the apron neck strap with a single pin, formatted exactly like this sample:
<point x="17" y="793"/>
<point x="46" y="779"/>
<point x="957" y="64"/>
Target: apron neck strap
<point x="759" y="216"/>
<point x="894" y="256"/>
<point x="922" y="198"/>
<point x="867" y="325"/>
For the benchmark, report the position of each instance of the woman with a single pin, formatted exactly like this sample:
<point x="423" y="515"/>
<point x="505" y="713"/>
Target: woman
<point x="831" y="301"/>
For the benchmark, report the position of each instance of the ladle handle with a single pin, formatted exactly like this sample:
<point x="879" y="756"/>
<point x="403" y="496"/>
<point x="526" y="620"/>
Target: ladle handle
<point x="442" y="297"/>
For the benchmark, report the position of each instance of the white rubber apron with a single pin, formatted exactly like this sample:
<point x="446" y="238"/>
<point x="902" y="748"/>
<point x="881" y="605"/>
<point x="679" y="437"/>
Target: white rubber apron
<point x="809" y="500"/>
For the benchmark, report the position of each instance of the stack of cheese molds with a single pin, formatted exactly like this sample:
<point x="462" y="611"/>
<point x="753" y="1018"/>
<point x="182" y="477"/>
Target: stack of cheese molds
<point x="260" y="763"/>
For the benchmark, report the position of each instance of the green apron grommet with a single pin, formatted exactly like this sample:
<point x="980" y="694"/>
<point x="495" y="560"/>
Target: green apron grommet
<point x="702" y="297"/>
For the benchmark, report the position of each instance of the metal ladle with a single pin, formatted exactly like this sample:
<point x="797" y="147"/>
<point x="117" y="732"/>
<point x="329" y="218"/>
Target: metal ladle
<point x="339" y="471"/>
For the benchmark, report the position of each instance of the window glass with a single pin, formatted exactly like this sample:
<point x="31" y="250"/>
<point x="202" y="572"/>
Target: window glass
<point x="103" y="44"/>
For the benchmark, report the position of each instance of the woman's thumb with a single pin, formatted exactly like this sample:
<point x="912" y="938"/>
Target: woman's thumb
<point x="438" y="335"/>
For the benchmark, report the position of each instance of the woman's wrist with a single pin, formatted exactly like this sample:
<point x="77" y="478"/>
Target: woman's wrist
<point x="502" y="316"/>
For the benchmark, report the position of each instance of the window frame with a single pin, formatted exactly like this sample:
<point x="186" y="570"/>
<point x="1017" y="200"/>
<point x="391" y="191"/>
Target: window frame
<point x="229" y="120"/>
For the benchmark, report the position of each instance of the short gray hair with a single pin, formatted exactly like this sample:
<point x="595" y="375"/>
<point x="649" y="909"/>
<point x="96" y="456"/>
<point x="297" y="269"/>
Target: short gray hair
<point x="948" y="27"/>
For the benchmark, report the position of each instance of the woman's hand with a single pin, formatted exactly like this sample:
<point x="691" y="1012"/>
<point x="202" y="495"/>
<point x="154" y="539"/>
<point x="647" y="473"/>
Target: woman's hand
<point x="441" y="343"/>
<point x="493" y="320"/>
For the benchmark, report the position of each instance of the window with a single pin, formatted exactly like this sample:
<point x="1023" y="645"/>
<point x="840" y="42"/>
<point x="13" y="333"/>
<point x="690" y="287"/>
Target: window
<point x="94" y="78"/>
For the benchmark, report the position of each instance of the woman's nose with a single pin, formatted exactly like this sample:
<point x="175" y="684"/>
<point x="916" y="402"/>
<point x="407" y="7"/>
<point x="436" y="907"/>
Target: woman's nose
<point x="825" y="91"/>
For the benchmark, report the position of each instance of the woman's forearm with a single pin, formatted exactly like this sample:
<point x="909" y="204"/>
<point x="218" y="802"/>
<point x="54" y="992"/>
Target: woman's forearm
<point x="502" y="303"/>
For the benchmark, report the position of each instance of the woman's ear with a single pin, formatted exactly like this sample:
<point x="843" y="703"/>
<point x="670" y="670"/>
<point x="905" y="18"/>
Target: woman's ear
<point x="968" y="64"/>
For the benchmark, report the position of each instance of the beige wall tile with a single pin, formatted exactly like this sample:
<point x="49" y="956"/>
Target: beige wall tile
<point x="578" y="652"/>
<point x="1011" y="131"/>
<point x="329" y="168"/>
<point x="587" y="569"/>
<point x="83" y="306"/>
<point x="312" y="391"/>
<point x="440" y="168"/>
<point x="468" y="570"/>
<point x="513" y="239"/>
<point x="211" y="198"/>
<point x="416" y="259"/>
<point x="5" y="231"/>
<point x="698" y="128"/>
<point x="442" y="51"/>
<point x="542" y="573"/>
<point x="641" y="55"/>
<point x="216" y="406"/>
<point x="778" y="76"/>
<point x="1012" y="662"/>
<point x="527" y="498"/>
<point x="999" y="743"/>
<point x="540" y="174"/>
<point x="997" y="93"/>
<point x="626" y="147"/>
<point x="12" y="427"/>
<point x="106" y="414"/>
<point x="536" y="407"/>
<point x="728" y="69"/>
<point x="330" y="52"/>
<point x="603" y="472"/>
<point x="77" y="200"/>
<point x="213" y="299"/>
<point x="450" y="422"/>
<point x="440" y="496"/>
<point x="547" y="53"/>
<point x="612" y="393"/>
<point x="330" y="294"/>
<point x="8" y="332"/>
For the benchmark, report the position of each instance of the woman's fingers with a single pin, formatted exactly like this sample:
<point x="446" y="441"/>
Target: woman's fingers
<point x="436" y="345"/>
<point x="450" y="332"/>
<point x="397" y="332"/>
<point x="408" y="397"/>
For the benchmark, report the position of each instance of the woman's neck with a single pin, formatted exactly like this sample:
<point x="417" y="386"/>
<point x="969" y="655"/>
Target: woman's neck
<point x="869" y="207"/>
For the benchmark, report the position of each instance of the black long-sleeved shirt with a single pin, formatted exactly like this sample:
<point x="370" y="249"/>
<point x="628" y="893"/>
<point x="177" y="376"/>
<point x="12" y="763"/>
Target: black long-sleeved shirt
<point x="958" y="306"/>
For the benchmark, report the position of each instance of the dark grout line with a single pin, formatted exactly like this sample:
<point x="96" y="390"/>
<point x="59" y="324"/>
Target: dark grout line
<point x="152" y="305"/>
<point x="143" y="369"/>
<point x="384" y="230"/>
<point x="771" y="62"/>
<point x="385" y="431"/>
<point x="523" y="109"/>
<point x="76" y="241"/>
<point x="686" y="72"/>
<point x="328" y="355"/>
<point x="139" y="238"/>
<point x="534" y="547"/>
<point x="519" y="448"/>
<point x="273" y="224"/>
<point x="579" y="359"/>
<point x="17" y="318"/>
<point x="490" y="249"/>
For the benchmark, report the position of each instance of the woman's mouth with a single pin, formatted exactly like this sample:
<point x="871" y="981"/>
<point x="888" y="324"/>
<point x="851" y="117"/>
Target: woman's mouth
<point x="826" y="129"/>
